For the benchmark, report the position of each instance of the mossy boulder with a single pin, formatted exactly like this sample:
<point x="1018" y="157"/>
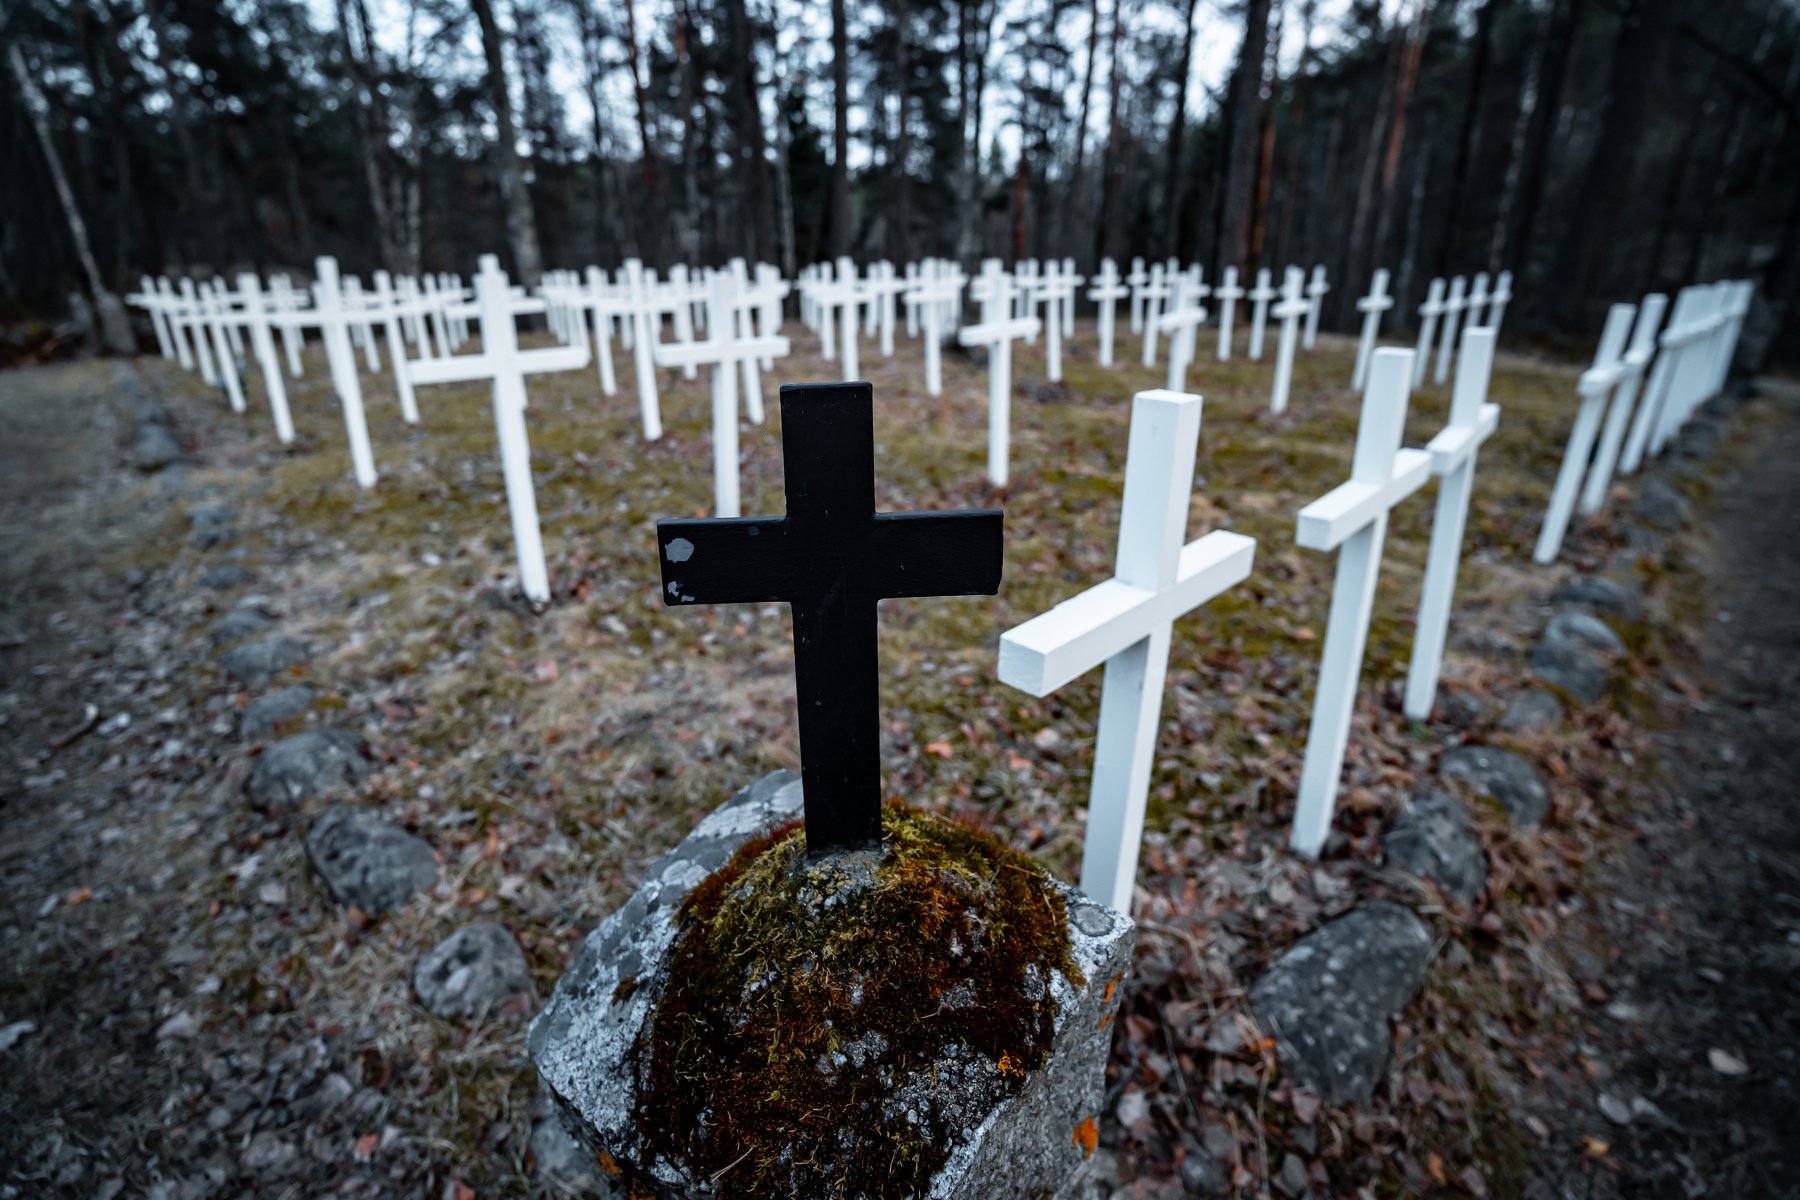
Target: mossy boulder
<point x="928" y="1019"/>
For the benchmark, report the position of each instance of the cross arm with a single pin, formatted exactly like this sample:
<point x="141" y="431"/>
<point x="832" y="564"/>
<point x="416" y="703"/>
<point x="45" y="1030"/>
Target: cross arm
<point x="1327" y="521"/>
<point x="1084" y="631"/>
<point x="726" y="560"/>
<point x="1454" y="444"/>
<point x="995" y="331"/>
<point x="955" y="553"/>
<point x="710" y="353"/>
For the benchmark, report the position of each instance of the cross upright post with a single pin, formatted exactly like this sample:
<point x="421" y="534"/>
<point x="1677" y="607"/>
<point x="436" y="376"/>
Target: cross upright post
<point x="147" y="299"/>
<point x="1618" y="413"/>
<point x="1497" y="301"/>
<point x="1136" y="280"/>
<point x="832" y="558"/>
<point x="263" y="343"/>
<point x="996" y="331"/>
<point x="1053" y="288"/>
<point x="1453" y="310"/>
<point x="281" y="289"/>
<point x="388" y="306"/>
<point x="1478" y="299"/>
<point x="1227" y="294"/>
<point x="934" y="290"/>
<point x="601" y="300"/>
<point x="1155" y="292"/>
<point x="334" y="331"/>
<point x="1352" y="519"/>
<point x="1315" y="306"/>
<point x="171" y="305"/>
<point x="847" y="297"/>
<point x="1429" y="312"/>
<point x="1182" y="321"/>
<point x="1595" y="388"/>
<point x="1472" y="421"/>
<point x="1107" y="291"/>
<point x="1292" y="308"/>
<point x="1259" y="298"/>
<point x="1125" y="623"/>
<point x="197" y="322"/>
<point x="681" y="312"/>
<point x="646" y="327"/>
<point x="216" y="305"/>
<point x="1371" y="306"/>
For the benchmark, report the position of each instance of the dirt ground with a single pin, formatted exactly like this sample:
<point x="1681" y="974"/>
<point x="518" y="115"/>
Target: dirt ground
<point x="184" y="1013"/>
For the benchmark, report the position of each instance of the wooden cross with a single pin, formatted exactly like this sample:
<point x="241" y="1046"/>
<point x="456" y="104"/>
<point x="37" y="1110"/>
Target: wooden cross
<point x="1472" y="421"/>
<point x="505" y="365"/>
<point x="1497" y="301"/>
<point x="1259" y="297"/>
<point x="1107" y="291"/>
<point x="1315" y="296"/>
<point x="1137" y="279"/>
<point x="1227" y="294"/>
<point x="1182" y="321"/>
<point x="286" y="300"/>
<point x="1429" y="312"/>
<point x="387" y="305"/>
<point x="1478" y="298"/>
<point x="363" y="326"/>
<point x="1371" y="307"/>
<point x="334" y="330"/>
<point x="937" y="286"/>
<point x="194" y="317"/>
<point x="1453" y="310"/>
<point x="640" y="310"/>
<point x="1624" y="400"/>
<point x="1700" y="347"/>
<point x="725" y="352"/>
<point x="1069" y="297"/>
<point x="262" y="341"/>
<point x="1352" y="519"/>
<point x="1025" y="279"/>
<point x="996" y="331"/>
<point x="881" y="288"/>
<point x="216" y="305"/>
<point x="678" y="300"/>
<point x="1126" y="623"/>
<point x="841" y="300"/>
<point x="171" y="307"/>
<point x="832" y="559"/>
<point x="1595" y="388"/>
<point x="1055" y="288"/>
<point x="1155" y="292"/>
<point x="147" y="299"/>
<point x="1292" y="308"/>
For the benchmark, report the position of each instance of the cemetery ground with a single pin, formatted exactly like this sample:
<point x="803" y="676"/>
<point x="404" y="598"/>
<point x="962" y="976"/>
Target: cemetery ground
<point x="185" y="1011"/>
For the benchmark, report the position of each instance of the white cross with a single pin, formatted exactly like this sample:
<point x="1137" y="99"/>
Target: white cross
<point x="334" y="330"/>
<point x="1068" y="306"/>
<point x="1618" y="413"/>
<point x="1107" y="290"/>
<point x="1371" y="307"/>
<point x="1453" y="309"/>
<point x="1315" y="295"/>
<point x="195" y="319"/>
<point x="293" y="339"/>
<point x="1227" y="294"/>
<point x="222" y="291"/>
<point x="934" y="290"/>
<point x="997" y="331"/>
<point x="679" y="299"/>
<point x="641" y="311"/>
<point x="505" y="365"/>
<point x="1478" y="298"/>
<point x="256" y="316"/>
<point x="146" y="298"/>
<point x="1026" y="280"/>
<point x="1497" y="301"/>
<point x="1126" y="623"/>
<point x="882" y="286"/>
<point x="1154" y="292"/>
<point x="216" y="304"/>
<point x="837" y="300"/>
<point x="1292" y="308"/>
<point x="1429" y="312"/>
<point x="1595" y="388"/>
<point x="1260" y="295"/>
<point x="172" y="308"/>
<point x="1182" y="321"/>
<point x="1704" y="350"/>
<point x="603" y="301"/>
<point x="387" y="304"/>
<point x="363" y="326"/>
<point x="1352" y="519"/>
<point x="1472" y="421"/>
<point x="1054" y="290"/>
<point x="1137" y="279"/>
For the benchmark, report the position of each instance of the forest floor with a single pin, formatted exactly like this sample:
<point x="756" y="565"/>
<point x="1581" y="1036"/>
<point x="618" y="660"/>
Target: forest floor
<point x="185" y="1013"/>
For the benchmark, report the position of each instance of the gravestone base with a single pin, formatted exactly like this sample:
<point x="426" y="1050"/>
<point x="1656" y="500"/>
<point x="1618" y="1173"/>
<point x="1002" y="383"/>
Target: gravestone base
<point x="588" y="1043"/>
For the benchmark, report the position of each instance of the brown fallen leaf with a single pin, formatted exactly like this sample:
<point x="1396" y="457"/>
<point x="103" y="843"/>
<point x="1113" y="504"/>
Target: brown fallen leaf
<point x="941" y="749"/>
<point x="1595" y="1148"/>
<point x="366" y="1146"/>
<point x="79" y="896"/>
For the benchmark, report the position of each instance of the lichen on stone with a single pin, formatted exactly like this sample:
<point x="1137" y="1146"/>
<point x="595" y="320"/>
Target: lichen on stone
<point x="836" y="1026"/>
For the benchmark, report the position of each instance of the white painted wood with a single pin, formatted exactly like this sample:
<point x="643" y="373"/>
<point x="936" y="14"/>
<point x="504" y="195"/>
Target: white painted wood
<point x="216" y="307"/>
<point x="1429" y="312"/>
<point x="681" y="312"/>
<point x="388" y="305"/>
<point x="1293" y="307"/>
<point x="356" y="305"/>
<point x="1624" y="402"/>
<point x="1125" y="623"/>
<point x="262" y="344"/>
<point x="1068" y="306"/>
<point x="1316" y="288"/>
<point x="1182" y="321"/>
<point x="1054" y="291"/>
<point x="644" y="322"/>
<point x="996" y="331"/>
<point x="1594" y="388"/>
<point x="1260" y="295"/>
<point x="147" y="299"/>
<point x="1497" y="301"/>
<point x="222" y="293"/>
<point x="936" y="287"/>
<point x="1108" y="289"/>
<point x="197" y="323"/>
<point x="1352" y="519"/>
<point x="1472" y="421"/>
<point x="1155" y="292"/>
<point x="1136" y="281"/>
<point x="1478" y="299"/>
<point x="178" y="333"/>
<point x="334" y="330"/>
<point x="1371" y="307"/>
<point x="293" y="340"/>
<point x="1453" y="310"/>
<point x="1227" y="294"/>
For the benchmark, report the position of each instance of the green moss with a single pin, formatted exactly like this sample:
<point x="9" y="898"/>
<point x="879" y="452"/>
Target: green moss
<point x="806" y="996"/>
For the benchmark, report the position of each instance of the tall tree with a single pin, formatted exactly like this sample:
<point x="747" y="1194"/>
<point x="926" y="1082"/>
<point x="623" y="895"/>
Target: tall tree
<point x="752" y="146"/>
<point x="521" y="226"/>
<point x="840" y="130"/>
<point x="1178" y="135"/>
<point x="1246" y="125"/>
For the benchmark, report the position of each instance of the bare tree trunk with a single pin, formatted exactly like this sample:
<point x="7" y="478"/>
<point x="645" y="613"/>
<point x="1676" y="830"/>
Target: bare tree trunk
<point x="1178" y="137"/>
<point x="653" y="175"/>
<point x="520" y="224"/>
<point x="1540" y="134"/>
<point x="115" y="329"/>
<point x="1448" y="245"/>
<point x="840" y="131"/>
<point x="1072" y="206"/>
<point x="690" y="153"/>
<point x="752" y="145"/>
<point x="1104" y="236"/>
<point x="1296" y="122"/>
<point x="371" y="131"/>
<point x="902" y="138"/>
<point x="1396" y="132"/>
<point x="1246" y="123"/>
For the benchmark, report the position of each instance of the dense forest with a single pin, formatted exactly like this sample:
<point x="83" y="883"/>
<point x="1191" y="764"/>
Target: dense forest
<point x="1596" y="148"/>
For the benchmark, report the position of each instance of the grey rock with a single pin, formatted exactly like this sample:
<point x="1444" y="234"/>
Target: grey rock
<point x="244" y="621"/>
<point x="304" y="765"/>
<point x="1500" y="775"/>
<point x="1331" y="998"/>
<point x="272" y="710"/>
<point x="1585" y="631"/>
<point x="1600" y="594"/>
<point x="224" y="577"/>
<point x="1658" y="505"/>
<point x="1532" y="710"/>
<point x="583" y="1042"/>
<point x="1576" y="653"/>
<point x="366" y="861"/>
<point x="475" y="969"/>
<point x="255" y="663"/>
<point x="211" y="524"/>
<point x="154" y="446"/>
<point x="561" y="1158"/>
<point x="1435" y="838"/>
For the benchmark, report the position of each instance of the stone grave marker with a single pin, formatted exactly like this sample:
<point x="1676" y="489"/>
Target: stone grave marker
<point x="996" y="331"/>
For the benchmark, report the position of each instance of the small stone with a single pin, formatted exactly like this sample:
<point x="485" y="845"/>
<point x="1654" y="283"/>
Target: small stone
<point x="267" y="1152"/>
<point x="367" y="862"/>
<point x="1291" y="1179"/>
<point x="275" y="709"/>
<point x="1600" y="594"/>
<point x="1532" y="710"/>
<point x="477" y="968"/>
<point x="1575" y="654"/>
<point x="1614" y="1109"/>
<point x="1586" y="631"/>
<point x="299" y="767"/>
<point x="1331" y="998"/>
<point x="181" y="1025"/>
<point x="244" y="621"/>
<point x="1500" y="775"/>
<point x="255" y="663"/>
<point x="224" y="577"/>
<point x="560" y="1157"/>
<point x="1435" y="839"/>
<point x="1660" y="506"/>
<point x="211" y="524"/>
<point x="154" y="447"/>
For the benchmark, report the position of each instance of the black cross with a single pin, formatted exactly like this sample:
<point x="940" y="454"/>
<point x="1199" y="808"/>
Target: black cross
<point x="832" y="558"/>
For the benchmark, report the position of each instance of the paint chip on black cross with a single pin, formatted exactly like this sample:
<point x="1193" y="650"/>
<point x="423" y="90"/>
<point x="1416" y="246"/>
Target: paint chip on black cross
<point x="833" y="558"/>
